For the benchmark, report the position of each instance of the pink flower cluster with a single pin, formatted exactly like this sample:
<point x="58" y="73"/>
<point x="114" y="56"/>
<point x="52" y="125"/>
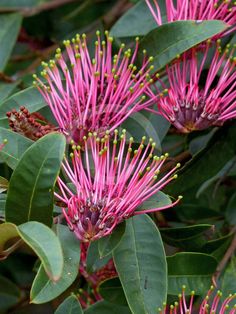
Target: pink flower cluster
<point x="186" y="102"/>
<point x="212" y="304"/>
<point x="110" y="182"/>
<point x="91" y="96"/>
<point x="190" y="106"/>
<point x="196" y="10"/>
<point x="94" y="94"/>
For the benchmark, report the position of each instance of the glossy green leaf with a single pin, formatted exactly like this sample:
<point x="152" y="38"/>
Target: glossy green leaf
<point x="194" y="270"/>
<point x="15" y="147"/>
<point x="112" y="291"/>
<point x="46" y="245"/>
<point x="147" y="124"/>
<point x="43" y="288"/>
<point x="30" y="192"/>
<point x="141" y="265"/>
<point x="224" y="172"/>
<point x="70" y="305"/>
<point x="218" y="247"/>
<point x="107" y="244"/>
<point x="104" y="307"/>
<point x="9" y="294"/>
<point x="169" y="40"/>
<point x="197" y="170"/>
<point x="93" y="261"/>
<point x="29" y="97"/>
<point x="196" y="212"/>
<point x="9" y="28"/>
<point x="188" y="238"/>
<point x="6" y="89"/>
<point x="137" y="21"/>
<point x="157" y="200"/>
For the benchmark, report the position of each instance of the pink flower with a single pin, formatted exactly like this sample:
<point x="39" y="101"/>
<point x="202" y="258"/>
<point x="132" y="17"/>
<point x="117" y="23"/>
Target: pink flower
<point x="210" y="304"/>
<point x="94" y="94"/>
<point x="110" y="181"/>
<point x="196" y="10"/>
<point x="188" y="104"/>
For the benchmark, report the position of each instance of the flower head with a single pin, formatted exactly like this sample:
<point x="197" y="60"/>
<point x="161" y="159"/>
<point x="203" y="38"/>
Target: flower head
<point x="31" y="125"/>
<point x="110" y="183"/>
<point x="188" y="104"/>
<point x="88" y="94"/>
<point x="196" y="10"/>
<point x="210" y="304"/>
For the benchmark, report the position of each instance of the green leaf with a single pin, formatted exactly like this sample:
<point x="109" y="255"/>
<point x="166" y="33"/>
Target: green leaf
<point x="93" y="261"/>
<point x="142" y="266"/>
<point x="111" y="291"/>
<point x="104" y="307"/>
<point x="30" y="192"/>
<point x="46" y="245"/>
<point x="6" y="89"/>
<point x="9" y="294"/>
<point x="188" y="238"/>
<point x="107" y="244"/>
<point x="194" y="270"/>
<point x="9" y="29"/>
<point x="137" y="21"/>
<point x="169" y="40"/>
<point x="217" y="247"/>
<point x="145" y="123"/>
<point x="70" y="305"/>
<point x="197" y="170"/>
<point x="196" y="212"/>
<point x="44" y="289"/>
<point x="15" y="147"/>
<point x="223" y="173"/>
<point x="157" y="200"/>
<point x="29" y="97"/>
